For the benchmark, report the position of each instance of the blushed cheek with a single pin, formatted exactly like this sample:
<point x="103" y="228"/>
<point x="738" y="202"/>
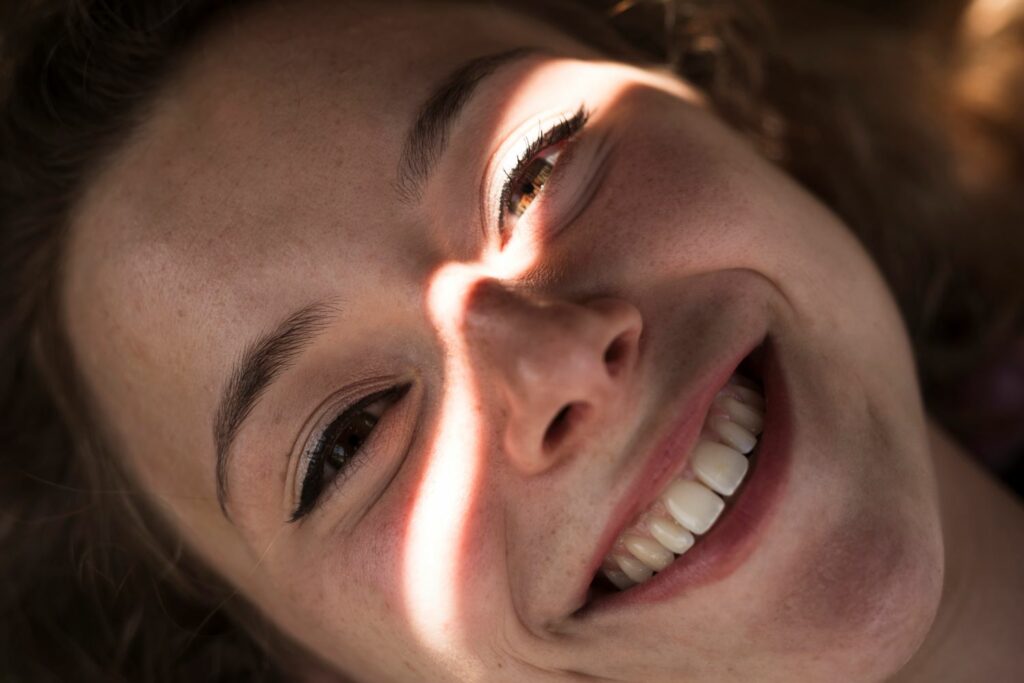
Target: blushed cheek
<point x="862" y="596"/>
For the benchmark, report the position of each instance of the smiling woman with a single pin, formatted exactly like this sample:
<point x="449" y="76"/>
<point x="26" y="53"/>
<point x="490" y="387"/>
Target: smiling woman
<point x="450" y="341"/>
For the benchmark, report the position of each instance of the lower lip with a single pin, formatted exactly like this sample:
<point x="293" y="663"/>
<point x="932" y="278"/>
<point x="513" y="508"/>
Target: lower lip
<point x="736" y="535"/>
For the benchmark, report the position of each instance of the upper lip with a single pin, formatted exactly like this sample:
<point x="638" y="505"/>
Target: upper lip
<point x="665" y="459"/>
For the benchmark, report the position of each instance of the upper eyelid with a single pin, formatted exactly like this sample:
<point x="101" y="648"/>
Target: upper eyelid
<point x="526" y="132"/>
<point x="315" y="431"/>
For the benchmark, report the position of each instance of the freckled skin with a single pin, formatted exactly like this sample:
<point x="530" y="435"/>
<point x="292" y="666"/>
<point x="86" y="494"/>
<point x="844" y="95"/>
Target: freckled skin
<point x="263" y="182"/>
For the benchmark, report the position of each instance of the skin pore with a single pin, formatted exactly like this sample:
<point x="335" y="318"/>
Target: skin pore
<point x="266" y="183"/>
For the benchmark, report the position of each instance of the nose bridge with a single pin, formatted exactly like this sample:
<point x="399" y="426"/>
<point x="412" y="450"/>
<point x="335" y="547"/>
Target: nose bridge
<point x="519" y="325"/>
<point x="558" y="366"/>
<point x="532" y="340"/>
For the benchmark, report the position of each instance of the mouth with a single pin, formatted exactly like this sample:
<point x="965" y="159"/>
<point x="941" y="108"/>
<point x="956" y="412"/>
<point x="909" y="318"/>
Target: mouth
<point x="699" y="521"/>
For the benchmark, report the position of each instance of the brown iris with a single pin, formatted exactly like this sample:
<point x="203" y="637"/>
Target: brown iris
<point x="530" y="185"/>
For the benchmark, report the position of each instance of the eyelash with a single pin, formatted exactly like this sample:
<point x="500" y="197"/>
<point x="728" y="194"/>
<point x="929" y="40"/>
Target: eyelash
<point x="564" y="130"/>
<point x="313" y="480"/>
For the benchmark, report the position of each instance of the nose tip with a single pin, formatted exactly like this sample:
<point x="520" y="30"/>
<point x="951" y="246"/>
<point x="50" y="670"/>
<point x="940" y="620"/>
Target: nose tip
<point x="563" y="368"/>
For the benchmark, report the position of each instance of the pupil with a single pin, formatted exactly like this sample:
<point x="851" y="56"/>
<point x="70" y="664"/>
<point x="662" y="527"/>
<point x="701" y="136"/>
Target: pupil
<point x="537" y="173"/>
<point x="351" y="439"/>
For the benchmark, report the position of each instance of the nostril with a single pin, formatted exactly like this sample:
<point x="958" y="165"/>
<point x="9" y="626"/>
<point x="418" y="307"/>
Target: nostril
<point x="616" y="353"/>
<point x="562" y="424"/>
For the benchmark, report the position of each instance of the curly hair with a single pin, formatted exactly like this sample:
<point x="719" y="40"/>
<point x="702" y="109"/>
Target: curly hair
<point x="898" y="130"/>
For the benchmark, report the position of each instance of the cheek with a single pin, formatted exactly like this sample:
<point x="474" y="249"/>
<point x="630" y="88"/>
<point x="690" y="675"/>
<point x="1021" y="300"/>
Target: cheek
<point x="342" y="599"/>
<point x="860" y="595"/>
<point x="374" y="564"/>
<point x="852" y="582"/>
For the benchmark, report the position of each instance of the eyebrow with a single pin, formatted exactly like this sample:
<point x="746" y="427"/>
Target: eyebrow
<point x="428" y="136"/>
<point x="259" y="365"/>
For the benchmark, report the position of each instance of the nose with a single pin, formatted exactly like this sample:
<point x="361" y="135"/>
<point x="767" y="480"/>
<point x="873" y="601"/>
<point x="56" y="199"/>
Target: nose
<point x="560" y="368"/>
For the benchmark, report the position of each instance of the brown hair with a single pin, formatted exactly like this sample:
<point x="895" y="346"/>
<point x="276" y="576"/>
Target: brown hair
<point x="889" y="130"/>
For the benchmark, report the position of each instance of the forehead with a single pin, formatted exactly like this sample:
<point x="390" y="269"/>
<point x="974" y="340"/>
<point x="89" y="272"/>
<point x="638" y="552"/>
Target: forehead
<point x="286" y="114"/>
<point x="270" y="158"/>
<point x="288" y="117"/>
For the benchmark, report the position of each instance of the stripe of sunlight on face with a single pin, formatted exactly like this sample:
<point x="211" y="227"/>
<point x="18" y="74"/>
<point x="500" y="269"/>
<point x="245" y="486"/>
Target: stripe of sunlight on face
<point x="443" y="501"/>
<point x="445" y="496"/>
<point x="436" y="527"/>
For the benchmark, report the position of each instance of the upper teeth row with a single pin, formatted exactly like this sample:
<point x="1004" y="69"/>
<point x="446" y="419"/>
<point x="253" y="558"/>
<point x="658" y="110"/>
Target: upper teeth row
<point x="691" y="503"/>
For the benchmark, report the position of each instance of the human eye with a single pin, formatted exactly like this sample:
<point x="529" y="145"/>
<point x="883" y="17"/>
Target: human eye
<point x="534" y="164"/>
<point x="339" y="449"/>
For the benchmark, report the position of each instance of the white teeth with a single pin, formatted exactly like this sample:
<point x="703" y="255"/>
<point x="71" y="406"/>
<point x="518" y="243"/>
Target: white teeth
<point x="693" y="505"/>
<point x="637" y="571"/>
<point x="750" y="418"/>
<point x="721" y="468"/>
<point x="671" y="535"/>
<point x="733" y="434"/>
<point x="621" y="581"/>
<point x="748" y="396"/>
<point x="648" y="551"/>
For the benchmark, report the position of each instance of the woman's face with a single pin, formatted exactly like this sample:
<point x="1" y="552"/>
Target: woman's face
<point x="281" y="244"/>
